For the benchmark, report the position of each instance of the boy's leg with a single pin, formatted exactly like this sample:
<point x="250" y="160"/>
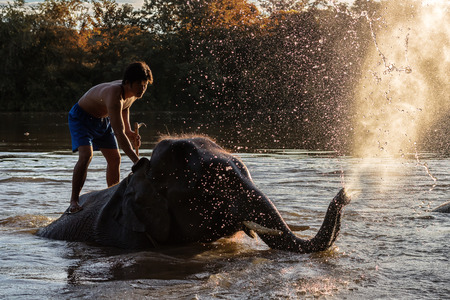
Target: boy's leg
<point x="79" y="176"/>
<point x="112" y="157"/>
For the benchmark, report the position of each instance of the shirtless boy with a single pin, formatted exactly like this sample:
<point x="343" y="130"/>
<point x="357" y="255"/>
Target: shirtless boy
<point x="100" y="121"/>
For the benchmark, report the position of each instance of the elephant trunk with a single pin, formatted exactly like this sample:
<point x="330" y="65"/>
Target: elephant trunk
<point x="282" y="238"/>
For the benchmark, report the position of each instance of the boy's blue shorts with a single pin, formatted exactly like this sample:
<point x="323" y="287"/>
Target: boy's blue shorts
<point x="88" y="130"/>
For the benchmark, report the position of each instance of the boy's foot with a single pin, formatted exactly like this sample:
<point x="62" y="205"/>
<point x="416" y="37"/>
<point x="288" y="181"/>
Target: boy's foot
<point x="73" y="209"/>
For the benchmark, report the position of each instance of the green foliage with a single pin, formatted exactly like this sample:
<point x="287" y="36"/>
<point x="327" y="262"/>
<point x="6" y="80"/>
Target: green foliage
<point x="205" y="54"/>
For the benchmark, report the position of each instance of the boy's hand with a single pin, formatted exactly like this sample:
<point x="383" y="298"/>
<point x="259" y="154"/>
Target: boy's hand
<point x="137" y="138"/>
<point x="137" y="141"/>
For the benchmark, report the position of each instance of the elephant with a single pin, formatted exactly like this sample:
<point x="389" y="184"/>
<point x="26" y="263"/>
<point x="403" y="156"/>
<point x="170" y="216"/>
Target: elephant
<point x="443" y="208"/>
<point x="191" y="190"/>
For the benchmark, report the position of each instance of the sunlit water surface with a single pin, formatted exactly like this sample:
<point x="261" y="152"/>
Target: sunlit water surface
<point x="390" y="245"/>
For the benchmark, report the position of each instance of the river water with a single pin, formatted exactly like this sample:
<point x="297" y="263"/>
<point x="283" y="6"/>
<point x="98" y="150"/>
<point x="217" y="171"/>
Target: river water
<point x="391" y="246"/>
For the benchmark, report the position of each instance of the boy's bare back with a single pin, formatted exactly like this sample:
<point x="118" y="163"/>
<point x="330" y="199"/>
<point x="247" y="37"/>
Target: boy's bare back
<point x="96" y="100"/>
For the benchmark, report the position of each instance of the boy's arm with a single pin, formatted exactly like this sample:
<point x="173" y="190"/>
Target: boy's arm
<point x="114" y="105"/>
<point x="126" y="121"/>
<point x="132" y="136"/>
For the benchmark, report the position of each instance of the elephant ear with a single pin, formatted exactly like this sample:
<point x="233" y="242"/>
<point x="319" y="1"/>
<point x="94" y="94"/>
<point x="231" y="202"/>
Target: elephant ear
<point x="142" y="209"/>
<point x="125" y="215"/>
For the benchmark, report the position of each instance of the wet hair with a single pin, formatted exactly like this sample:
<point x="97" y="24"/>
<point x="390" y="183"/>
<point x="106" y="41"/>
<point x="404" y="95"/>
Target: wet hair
<point x="137" y="71"/>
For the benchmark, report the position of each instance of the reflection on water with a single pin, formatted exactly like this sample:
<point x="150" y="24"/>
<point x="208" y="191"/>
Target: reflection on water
<point x="50" y="131"/>
<point x="388" y="238"/>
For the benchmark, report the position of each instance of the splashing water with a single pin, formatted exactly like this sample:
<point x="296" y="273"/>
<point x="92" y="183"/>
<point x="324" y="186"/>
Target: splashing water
<point x="405" y="89"/>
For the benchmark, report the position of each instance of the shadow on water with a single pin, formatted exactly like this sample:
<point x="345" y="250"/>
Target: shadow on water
<point x="194" y="261"/>
<point x="233" y="267"/>
<point x="95" y="263"/>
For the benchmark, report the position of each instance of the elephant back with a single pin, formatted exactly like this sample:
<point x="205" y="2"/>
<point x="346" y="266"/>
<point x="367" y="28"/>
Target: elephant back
<point x="79" y="226"/>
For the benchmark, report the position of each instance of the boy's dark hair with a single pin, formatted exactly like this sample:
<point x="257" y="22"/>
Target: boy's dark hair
<point x="137" y="71"/>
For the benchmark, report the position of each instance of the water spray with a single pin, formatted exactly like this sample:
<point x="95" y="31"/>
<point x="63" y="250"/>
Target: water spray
<point x="406" y="86"/>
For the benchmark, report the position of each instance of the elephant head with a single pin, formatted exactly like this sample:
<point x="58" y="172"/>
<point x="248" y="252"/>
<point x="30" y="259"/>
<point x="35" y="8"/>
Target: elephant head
<point x="199" y="192"/>
<point x="191" y="190"/>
